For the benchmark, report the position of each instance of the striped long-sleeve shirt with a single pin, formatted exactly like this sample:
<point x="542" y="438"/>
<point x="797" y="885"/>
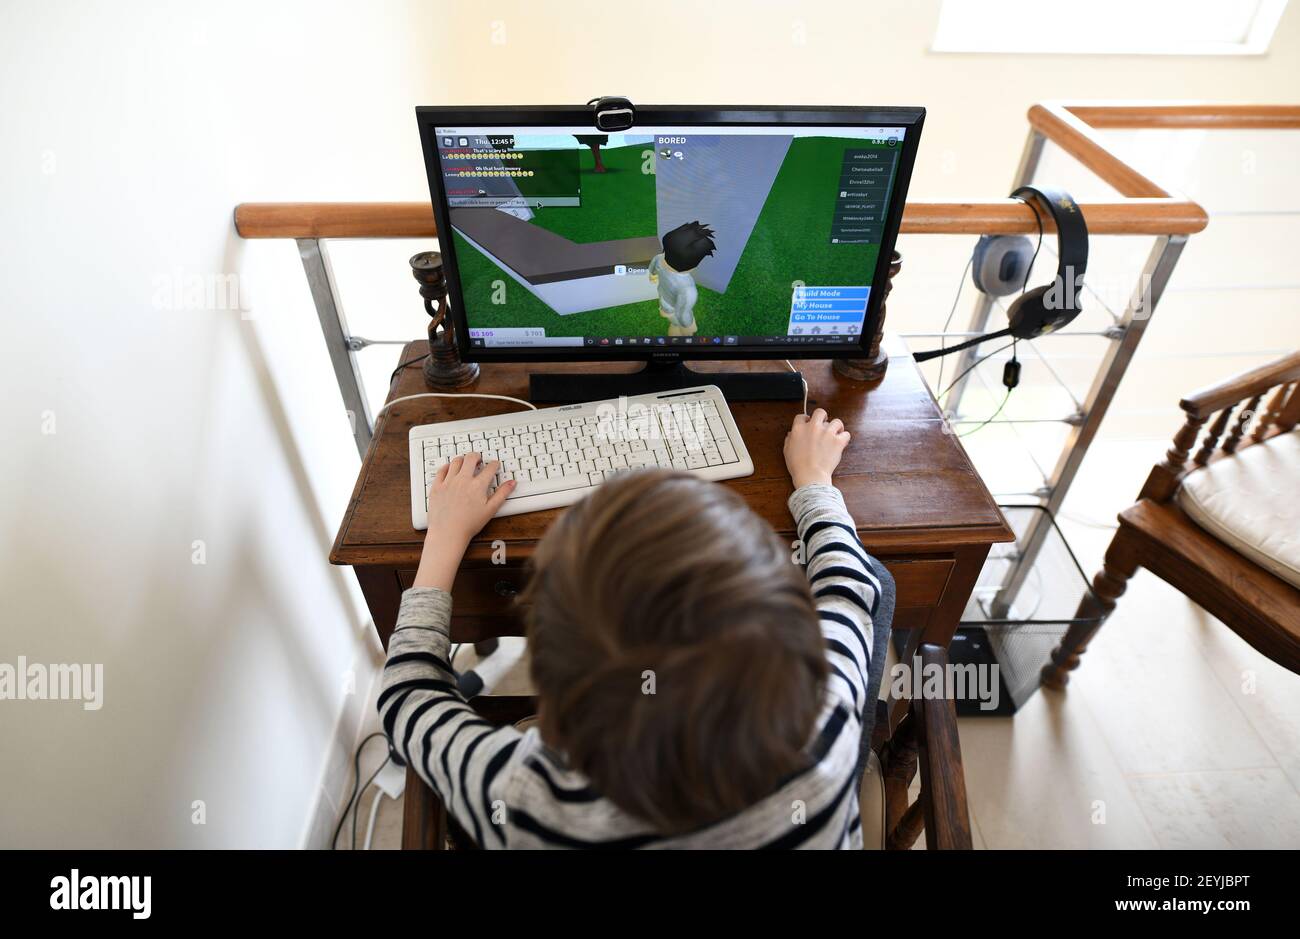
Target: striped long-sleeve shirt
<point x="509" y="790"/>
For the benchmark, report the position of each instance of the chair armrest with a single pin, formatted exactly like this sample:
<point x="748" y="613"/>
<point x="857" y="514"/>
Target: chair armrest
<point x="943" y="782"/>
<point x="1201" y="404"/>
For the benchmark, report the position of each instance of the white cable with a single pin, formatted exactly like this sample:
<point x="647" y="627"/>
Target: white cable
<point x="453" y="394"/>
<point x="805" y="385"/>
<point x="374" y="813"/>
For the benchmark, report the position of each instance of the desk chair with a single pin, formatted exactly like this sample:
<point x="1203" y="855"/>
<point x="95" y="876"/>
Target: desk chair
<point x="1226" y="531"/>
<point x="927" y="736"/>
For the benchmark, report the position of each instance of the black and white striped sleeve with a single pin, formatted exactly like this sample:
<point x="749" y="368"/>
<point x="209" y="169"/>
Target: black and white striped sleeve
<point x="844" y="585"/>
<point x="430" y="727"/>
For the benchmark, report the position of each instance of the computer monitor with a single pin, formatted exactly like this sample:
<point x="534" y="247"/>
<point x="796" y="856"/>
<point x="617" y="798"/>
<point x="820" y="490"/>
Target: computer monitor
<point x="696" y="233"/>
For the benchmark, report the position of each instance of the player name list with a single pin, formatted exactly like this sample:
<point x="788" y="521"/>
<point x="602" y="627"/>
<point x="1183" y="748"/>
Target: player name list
<point x="862" y="196"/>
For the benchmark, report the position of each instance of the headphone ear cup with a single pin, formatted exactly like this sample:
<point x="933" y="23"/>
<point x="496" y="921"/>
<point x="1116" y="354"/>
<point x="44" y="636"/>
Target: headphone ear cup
<point x="1027" y="315"/>
<point x="1000" y="263"/>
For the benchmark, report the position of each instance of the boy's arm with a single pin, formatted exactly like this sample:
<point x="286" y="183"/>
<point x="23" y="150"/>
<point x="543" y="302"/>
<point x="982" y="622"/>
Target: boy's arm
<point x="844" y="585"/>
<point x="428" y="723"/>
<point x="840" y="572"/>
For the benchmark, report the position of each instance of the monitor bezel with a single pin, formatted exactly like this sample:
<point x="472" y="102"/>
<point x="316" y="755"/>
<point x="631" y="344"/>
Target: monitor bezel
<point x="910" y="119"/>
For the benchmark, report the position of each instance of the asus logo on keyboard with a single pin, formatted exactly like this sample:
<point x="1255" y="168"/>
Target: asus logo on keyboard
<point x="569" y="407"/>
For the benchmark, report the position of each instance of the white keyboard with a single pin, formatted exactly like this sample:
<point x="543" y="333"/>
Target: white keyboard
<point x="558" y="455"/>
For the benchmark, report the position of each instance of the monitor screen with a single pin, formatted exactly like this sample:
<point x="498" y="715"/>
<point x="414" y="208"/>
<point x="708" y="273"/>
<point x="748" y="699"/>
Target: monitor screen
<point x="690" y="238"/>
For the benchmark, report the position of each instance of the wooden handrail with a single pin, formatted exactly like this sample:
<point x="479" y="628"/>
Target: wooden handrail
<point x="1193" y="115"/>
<point x="1147" y="208"/>
<point x="1007" y="217"/>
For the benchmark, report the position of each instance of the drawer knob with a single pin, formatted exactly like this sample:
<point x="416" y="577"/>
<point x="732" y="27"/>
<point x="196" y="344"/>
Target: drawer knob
<point x="505" y="588"/>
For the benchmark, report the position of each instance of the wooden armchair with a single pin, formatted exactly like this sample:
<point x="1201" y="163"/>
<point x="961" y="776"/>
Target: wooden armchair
<point x="925" y="738"/>
<point x="1217" y="530"/>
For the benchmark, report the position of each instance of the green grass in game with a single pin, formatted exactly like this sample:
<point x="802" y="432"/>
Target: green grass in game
<point x="790" y="242"/>
<point x="617" y="203"/>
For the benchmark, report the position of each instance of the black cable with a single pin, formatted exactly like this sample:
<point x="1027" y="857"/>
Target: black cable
<point x="357" y="811"/>
<point x="967" y="369"/>
<point x="356" y="776"/>
<point x="1005" y="398"/>
<point x="943" y="340"/>
<point x="414" y="361"/>
<point x="1038" y="247"/>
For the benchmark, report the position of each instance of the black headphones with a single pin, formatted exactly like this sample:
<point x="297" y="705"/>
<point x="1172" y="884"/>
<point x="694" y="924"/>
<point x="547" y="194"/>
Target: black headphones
<point x="1001" y="263"/>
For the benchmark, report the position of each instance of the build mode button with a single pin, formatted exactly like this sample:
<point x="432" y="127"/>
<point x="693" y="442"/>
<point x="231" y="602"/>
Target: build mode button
<point x="827" y="310"/>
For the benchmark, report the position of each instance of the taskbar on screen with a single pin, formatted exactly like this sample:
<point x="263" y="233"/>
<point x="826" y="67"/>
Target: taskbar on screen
<point x="664" y="342"/>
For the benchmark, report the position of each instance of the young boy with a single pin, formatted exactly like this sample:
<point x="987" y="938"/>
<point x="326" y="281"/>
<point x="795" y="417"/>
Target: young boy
<point x="684" y="248"/>
<point x="696" y="688"/>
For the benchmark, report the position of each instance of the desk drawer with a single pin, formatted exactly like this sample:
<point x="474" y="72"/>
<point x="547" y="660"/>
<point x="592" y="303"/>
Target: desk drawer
<point x="920" y="583"/>
<point x="481" y="591"/>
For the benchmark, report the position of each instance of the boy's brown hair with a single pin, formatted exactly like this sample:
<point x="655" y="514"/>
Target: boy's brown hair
<point x="675" y="648"/>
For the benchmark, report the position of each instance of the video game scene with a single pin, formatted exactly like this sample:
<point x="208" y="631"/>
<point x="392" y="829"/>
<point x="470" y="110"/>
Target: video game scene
<point x="736" y="236"/>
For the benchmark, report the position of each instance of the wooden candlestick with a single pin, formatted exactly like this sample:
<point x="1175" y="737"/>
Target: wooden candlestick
<point x="443" y="368"/>
<point x="872" y="368"/>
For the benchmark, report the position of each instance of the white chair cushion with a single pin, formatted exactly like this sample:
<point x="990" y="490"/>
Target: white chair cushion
<point x="1251" y="502"/>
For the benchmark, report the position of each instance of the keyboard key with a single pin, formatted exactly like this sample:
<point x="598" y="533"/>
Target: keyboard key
<point x="727" y="451"/>
<point x="537" y="487"/>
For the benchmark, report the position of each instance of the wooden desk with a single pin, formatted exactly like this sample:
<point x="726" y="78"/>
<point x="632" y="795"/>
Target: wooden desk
<point x="919" y="504"/>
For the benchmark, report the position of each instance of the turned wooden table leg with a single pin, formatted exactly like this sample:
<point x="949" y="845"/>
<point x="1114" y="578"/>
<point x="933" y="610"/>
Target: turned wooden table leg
<point x="1109" y="584"/>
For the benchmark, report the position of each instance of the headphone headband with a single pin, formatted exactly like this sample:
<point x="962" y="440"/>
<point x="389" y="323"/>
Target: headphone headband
<point x="1071" y="229"/>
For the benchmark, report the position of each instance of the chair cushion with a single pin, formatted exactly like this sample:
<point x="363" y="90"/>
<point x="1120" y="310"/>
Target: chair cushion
<point x="1249" y="502"/>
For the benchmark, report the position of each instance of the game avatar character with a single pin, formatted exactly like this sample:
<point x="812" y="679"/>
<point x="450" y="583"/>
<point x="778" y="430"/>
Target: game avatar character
<point x="684" y="248"/>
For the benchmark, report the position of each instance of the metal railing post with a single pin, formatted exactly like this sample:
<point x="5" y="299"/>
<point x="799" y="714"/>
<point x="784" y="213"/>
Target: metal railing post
<point x="324" y="294"/>
<point x="1155" y="277"/>
<point x="979" y="319"/>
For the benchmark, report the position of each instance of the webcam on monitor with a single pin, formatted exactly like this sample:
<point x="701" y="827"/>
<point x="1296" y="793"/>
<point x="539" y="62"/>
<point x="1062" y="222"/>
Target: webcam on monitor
<point x="612" y="113"/>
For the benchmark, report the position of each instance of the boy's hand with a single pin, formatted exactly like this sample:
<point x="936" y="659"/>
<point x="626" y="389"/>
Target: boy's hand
<point x="459" y="505"/>
<point x="813" y="448"/>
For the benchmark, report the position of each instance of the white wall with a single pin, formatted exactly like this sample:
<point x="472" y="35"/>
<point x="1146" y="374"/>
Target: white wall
<point x="130" y="132"/>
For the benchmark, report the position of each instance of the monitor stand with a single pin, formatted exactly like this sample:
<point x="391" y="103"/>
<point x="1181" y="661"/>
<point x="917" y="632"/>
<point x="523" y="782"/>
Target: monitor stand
<point x="660" y="375"/>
